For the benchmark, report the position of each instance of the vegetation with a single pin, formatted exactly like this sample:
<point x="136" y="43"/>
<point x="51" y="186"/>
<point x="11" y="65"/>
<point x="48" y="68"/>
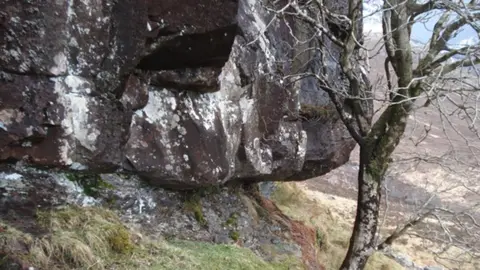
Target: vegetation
<point x="232" y="220"/>
<point x="194" y="205"/>
<point x="234" y="235"/>
<point x="92" y="184"/>
<point x="311" y="112"/>
<point x="333" y="232"/>
<point x="204" y="256"/>
<point x="430" y="79"/>
<point x="94" y="238"/>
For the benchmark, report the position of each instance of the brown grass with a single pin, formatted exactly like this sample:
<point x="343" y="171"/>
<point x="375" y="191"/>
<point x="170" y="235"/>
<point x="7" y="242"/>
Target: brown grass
<point x="95" y="238"/>
<point x="333" y="228"/>
<point x="77" y="237"/>
<point x="302" y="234"/>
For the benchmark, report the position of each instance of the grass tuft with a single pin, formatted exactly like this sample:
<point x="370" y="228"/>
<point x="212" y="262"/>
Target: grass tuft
<point x="94" y="238"/>
<point x="193" y="204"/>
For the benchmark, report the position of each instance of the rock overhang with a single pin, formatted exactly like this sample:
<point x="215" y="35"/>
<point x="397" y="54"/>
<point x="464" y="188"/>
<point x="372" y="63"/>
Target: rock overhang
<point x="193" y="102"/>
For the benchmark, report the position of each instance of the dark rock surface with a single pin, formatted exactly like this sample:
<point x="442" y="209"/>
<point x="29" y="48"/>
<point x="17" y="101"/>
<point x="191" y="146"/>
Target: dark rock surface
<point x="183" y="93"/>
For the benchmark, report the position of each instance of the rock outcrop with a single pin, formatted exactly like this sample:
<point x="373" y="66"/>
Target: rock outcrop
<point x="184" y="93"/>
<point x="228" y="215"/>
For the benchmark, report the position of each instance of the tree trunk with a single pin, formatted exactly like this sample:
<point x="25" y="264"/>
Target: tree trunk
<point x="362" y="242"/>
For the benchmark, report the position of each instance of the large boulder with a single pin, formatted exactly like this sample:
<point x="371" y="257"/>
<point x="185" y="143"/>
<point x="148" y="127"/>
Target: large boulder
<point x="184" y="93"/>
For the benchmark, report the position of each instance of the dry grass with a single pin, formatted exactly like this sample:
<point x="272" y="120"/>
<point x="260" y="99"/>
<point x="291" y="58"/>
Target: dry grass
<point x="302" y="234"/>
<point x="421" y="251"/>
<point x="333" y="229"/>
<point x="76" y="238"/>
<point x="333" y="216"/>
<point x="95" y="238"/>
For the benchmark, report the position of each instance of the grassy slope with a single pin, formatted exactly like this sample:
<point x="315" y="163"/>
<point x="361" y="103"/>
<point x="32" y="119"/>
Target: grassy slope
<point x="333" y="233"/>
<point x="94" y="238"/>
<point x="195" y="255"/>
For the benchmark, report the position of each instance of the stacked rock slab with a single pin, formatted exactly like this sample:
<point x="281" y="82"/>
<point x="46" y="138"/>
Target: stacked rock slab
<point x="184" y="93"/>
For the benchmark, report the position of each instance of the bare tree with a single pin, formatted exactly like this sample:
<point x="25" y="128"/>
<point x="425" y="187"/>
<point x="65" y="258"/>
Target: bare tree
<point x="434" y="212"/>
<point x="433" y="79"/>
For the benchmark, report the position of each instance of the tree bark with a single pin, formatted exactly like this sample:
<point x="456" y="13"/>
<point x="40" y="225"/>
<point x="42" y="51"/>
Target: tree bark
<point x="362" y="241"/>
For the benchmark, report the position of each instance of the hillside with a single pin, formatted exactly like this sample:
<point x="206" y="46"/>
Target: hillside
<point x="435" y="162"/>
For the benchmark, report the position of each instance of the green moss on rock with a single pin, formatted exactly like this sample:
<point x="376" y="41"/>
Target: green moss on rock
<point x="92" y="184"/>
<point x="232" y="220"/>
<point x="234" y="235"/>
<point x="193" y="204"/>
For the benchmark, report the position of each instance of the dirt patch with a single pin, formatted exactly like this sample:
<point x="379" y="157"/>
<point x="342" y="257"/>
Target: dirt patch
<point x="302" y="234"/>
<point x="306" y="237"/>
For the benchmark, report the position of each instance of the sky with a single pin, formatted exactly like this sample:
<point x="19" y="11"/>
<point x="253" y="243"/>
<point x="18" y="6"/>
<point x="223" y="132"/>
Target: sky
<point x="420" y="31"/>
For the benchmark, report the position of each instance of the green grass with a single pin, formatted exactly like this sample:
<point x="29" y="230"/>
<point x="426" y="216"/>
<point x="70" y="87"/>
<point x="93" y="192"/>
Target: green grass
<point x="203" y="256"/>
<point x="94" y="238"/>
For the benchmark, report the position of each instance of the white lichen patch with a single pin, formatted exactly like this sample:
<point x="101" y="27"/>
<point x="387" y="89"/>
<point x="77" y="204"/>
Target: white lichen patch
<point x="229" y="79"/>
<point x="161" y="113"/>
<point x="64" y="149"/>
<point x="75" y="194"/>
<point x="70" y="11"/>
<point x="9" y="116"/>
<point x="204" y="107"/>
<point x="11" y="176"/>
<point x="156" y="110"/>
<point x="73" y="93"/>
<point x="11" y="181"/>
<point x="259" y="157"/>
<point x="86" y="35"/>
<point x="14" y="53"/>
<point x="60" y="66"/>
<point x="78" y="166"/>
<point x="218" y="107"/>
<point x="246" y="106"/>
<point x="29" y="130"/>
<point x="27" y="144"/>
<point x="301" y="149"/>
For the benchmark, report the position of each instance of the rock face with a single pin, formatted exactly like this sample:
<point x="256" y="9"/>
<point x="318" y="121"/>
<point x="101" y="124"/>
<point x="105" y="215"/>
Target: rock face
<point x="183" y="93"/>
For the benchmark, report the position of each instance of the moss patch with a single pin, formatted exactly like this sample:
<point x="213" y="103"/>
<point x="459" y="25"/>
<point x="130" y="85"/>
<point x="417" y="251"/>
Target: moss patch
<point x="232" y="220"/>
<point x="320" y="237"/>
<point x="234" y="235"/>
<point x="193" y="204"/>
<point x="92" y="184"/>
